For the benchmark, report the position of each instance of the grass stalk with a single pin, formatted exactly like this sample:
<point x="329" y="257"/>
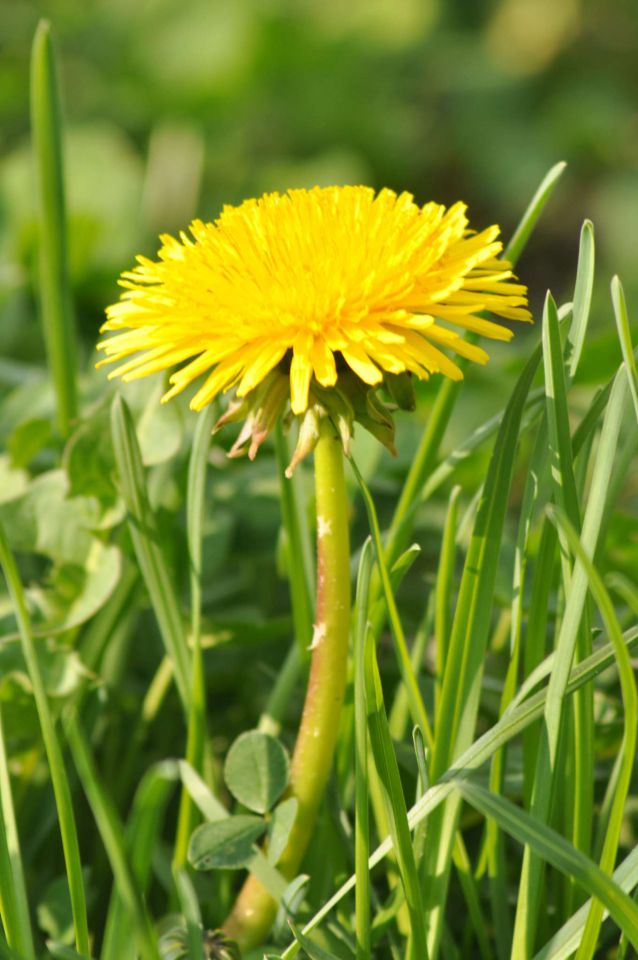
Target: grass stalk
<point x="196" y="735"/>
<point x="14" y="904"/>
<point x="522" y="713"/>
<point x="531" y="874"/>
<point x="147" y="546"/>
<point x="53" y="750"/>
<point x="361" y="823"/>
<point x="55" y="290"/>
<point x="112" y="836"/>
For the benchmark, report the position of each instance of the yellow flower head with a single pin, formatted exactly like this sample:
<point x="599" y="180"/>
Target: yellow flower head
<point x="318" y="284"/>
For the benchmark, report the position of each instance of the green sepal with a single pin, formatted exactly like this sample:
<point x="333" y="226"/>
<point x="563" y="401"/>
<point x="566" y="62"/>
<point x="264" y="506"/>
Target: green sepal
<point x="400" y="386"/>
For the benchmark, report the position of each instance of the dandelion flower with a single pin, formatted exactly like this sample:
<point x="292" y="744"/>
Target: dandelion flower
<point x="323" y="287"/>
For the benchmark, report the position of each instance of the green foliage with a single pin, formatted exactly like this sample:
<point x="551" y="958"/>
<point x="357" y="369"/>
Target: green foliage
<point x="146" y="626"/>
<point x="256" y="770"/>
<point x="226" y="844"/>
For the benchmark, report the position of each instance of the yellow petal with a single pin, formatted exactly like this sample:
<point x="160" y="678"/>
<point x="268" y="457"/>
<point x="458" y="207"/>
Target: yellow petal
<point x="300" y="374"/>
<point x="359" y="361"/>
<point x="323" y="363"/>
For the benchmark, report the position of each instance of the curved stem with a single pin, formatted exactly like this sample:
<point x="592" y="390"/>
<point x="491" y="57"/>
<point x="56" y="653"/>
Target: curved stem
<point x="254" y="910"/>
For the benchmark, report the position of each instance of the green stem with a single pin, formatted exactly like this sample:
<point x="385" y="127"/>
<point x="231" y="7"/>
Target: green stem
<point x="254" y="910"/>
<point x="196" y="736"/>
<point x="59" y="779"/>
<point x="55" y="287"/>
<point x="14" y="903"/>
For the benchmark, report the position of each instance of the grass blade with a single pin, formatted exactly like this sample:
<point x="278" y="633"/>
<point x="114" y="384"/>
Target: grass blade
<point x="628" y="746"/>
<point x="415" y="700"/>
<point x="112" y="835"/>
<point x="300" y="563"/>
<point x="458" y="706"/>
<point x="413" y="695"/>
<point x="528" y="221"/>
<point x="53" y="751"/>
<point x="6" y="953"/>
<point x="146" y="543"/>
<point x="565" y="495"/>
<point x="582" y="299"/>
<point x="425" y="456"/>
<point x="478" y="437"/>
<point x="388" y="770"/>
<point x="516" y="720"/>
<point x="529" y="890"/>
<point x="494" y="840"/>
<point x="565" y="941"/>
<point x="361" y="823"/>
<point x="552" y="847"/>
<point x="190" y="909"/>
<point x="14" y="904"/>
<point x="55" y="293"/>
<point x="624" y="335"/>
<point x="196" y="736"/>
<point x="443" y="589"/>
<point x="143" y="832"/>
<point x="301" y="578"/>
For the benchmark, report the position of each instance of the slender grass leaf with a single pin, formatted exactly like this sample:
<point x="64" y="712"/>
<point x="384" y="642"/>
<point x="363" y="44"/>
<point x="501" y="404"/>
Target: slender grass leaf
<point x="196" y="736"/>
<point x="361" y="823"/>
<point x="410" y="685"/>
<point x="460" y="692"/>
<point x="6" y="953"/>
<point x="312" y="950"/>
<point x="494" y="841"/>
<point x="425" y="456"/>
<point x="53" y="750"/>
<point x="146" y="543"/>
<point x="14" y="903"/>
<point x="565" y="941"/>
<point x="476" y="439"/>
<point x="55" y="290"/>
<point x="444" y="583"/>
<point x="112" y="834"/>
<point x="301" y="576"/>
<point x="400" y="713"/>
<point x="552" y="847"/>
<point x="566" y="497"/>
<point x="628" y="746"/>
<point x="206" y="801"/>
<point x="582" y="299"/>
<point x="415" y="700"/>
<point x="387" y="768"/>
<point x="300" y="566"/>
<point x="624" y="335"/>
<point x="516" y="719"/>
<point x="60" y="952"/>
<point x="530" y="218"/>
<point x="529" y="890"/>
<point x="143" y="834"/>
<point x="190" y="908"/>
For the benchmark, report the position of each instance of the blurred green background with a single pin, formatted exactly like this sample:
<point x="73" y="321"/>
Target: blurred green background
<point x="174" y="109"/>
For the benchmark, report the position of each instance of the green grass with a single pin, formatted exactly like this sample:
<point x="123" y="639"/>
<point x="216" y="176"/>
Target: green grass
<point x="159" y="601"/>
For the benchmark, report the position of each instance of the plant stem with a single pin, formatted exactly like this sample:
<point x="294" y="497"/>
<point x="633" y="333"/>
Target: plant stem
<point x="60" y="783"/>
<point x="55" y="287"/>
<point x="254" y="910"/>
